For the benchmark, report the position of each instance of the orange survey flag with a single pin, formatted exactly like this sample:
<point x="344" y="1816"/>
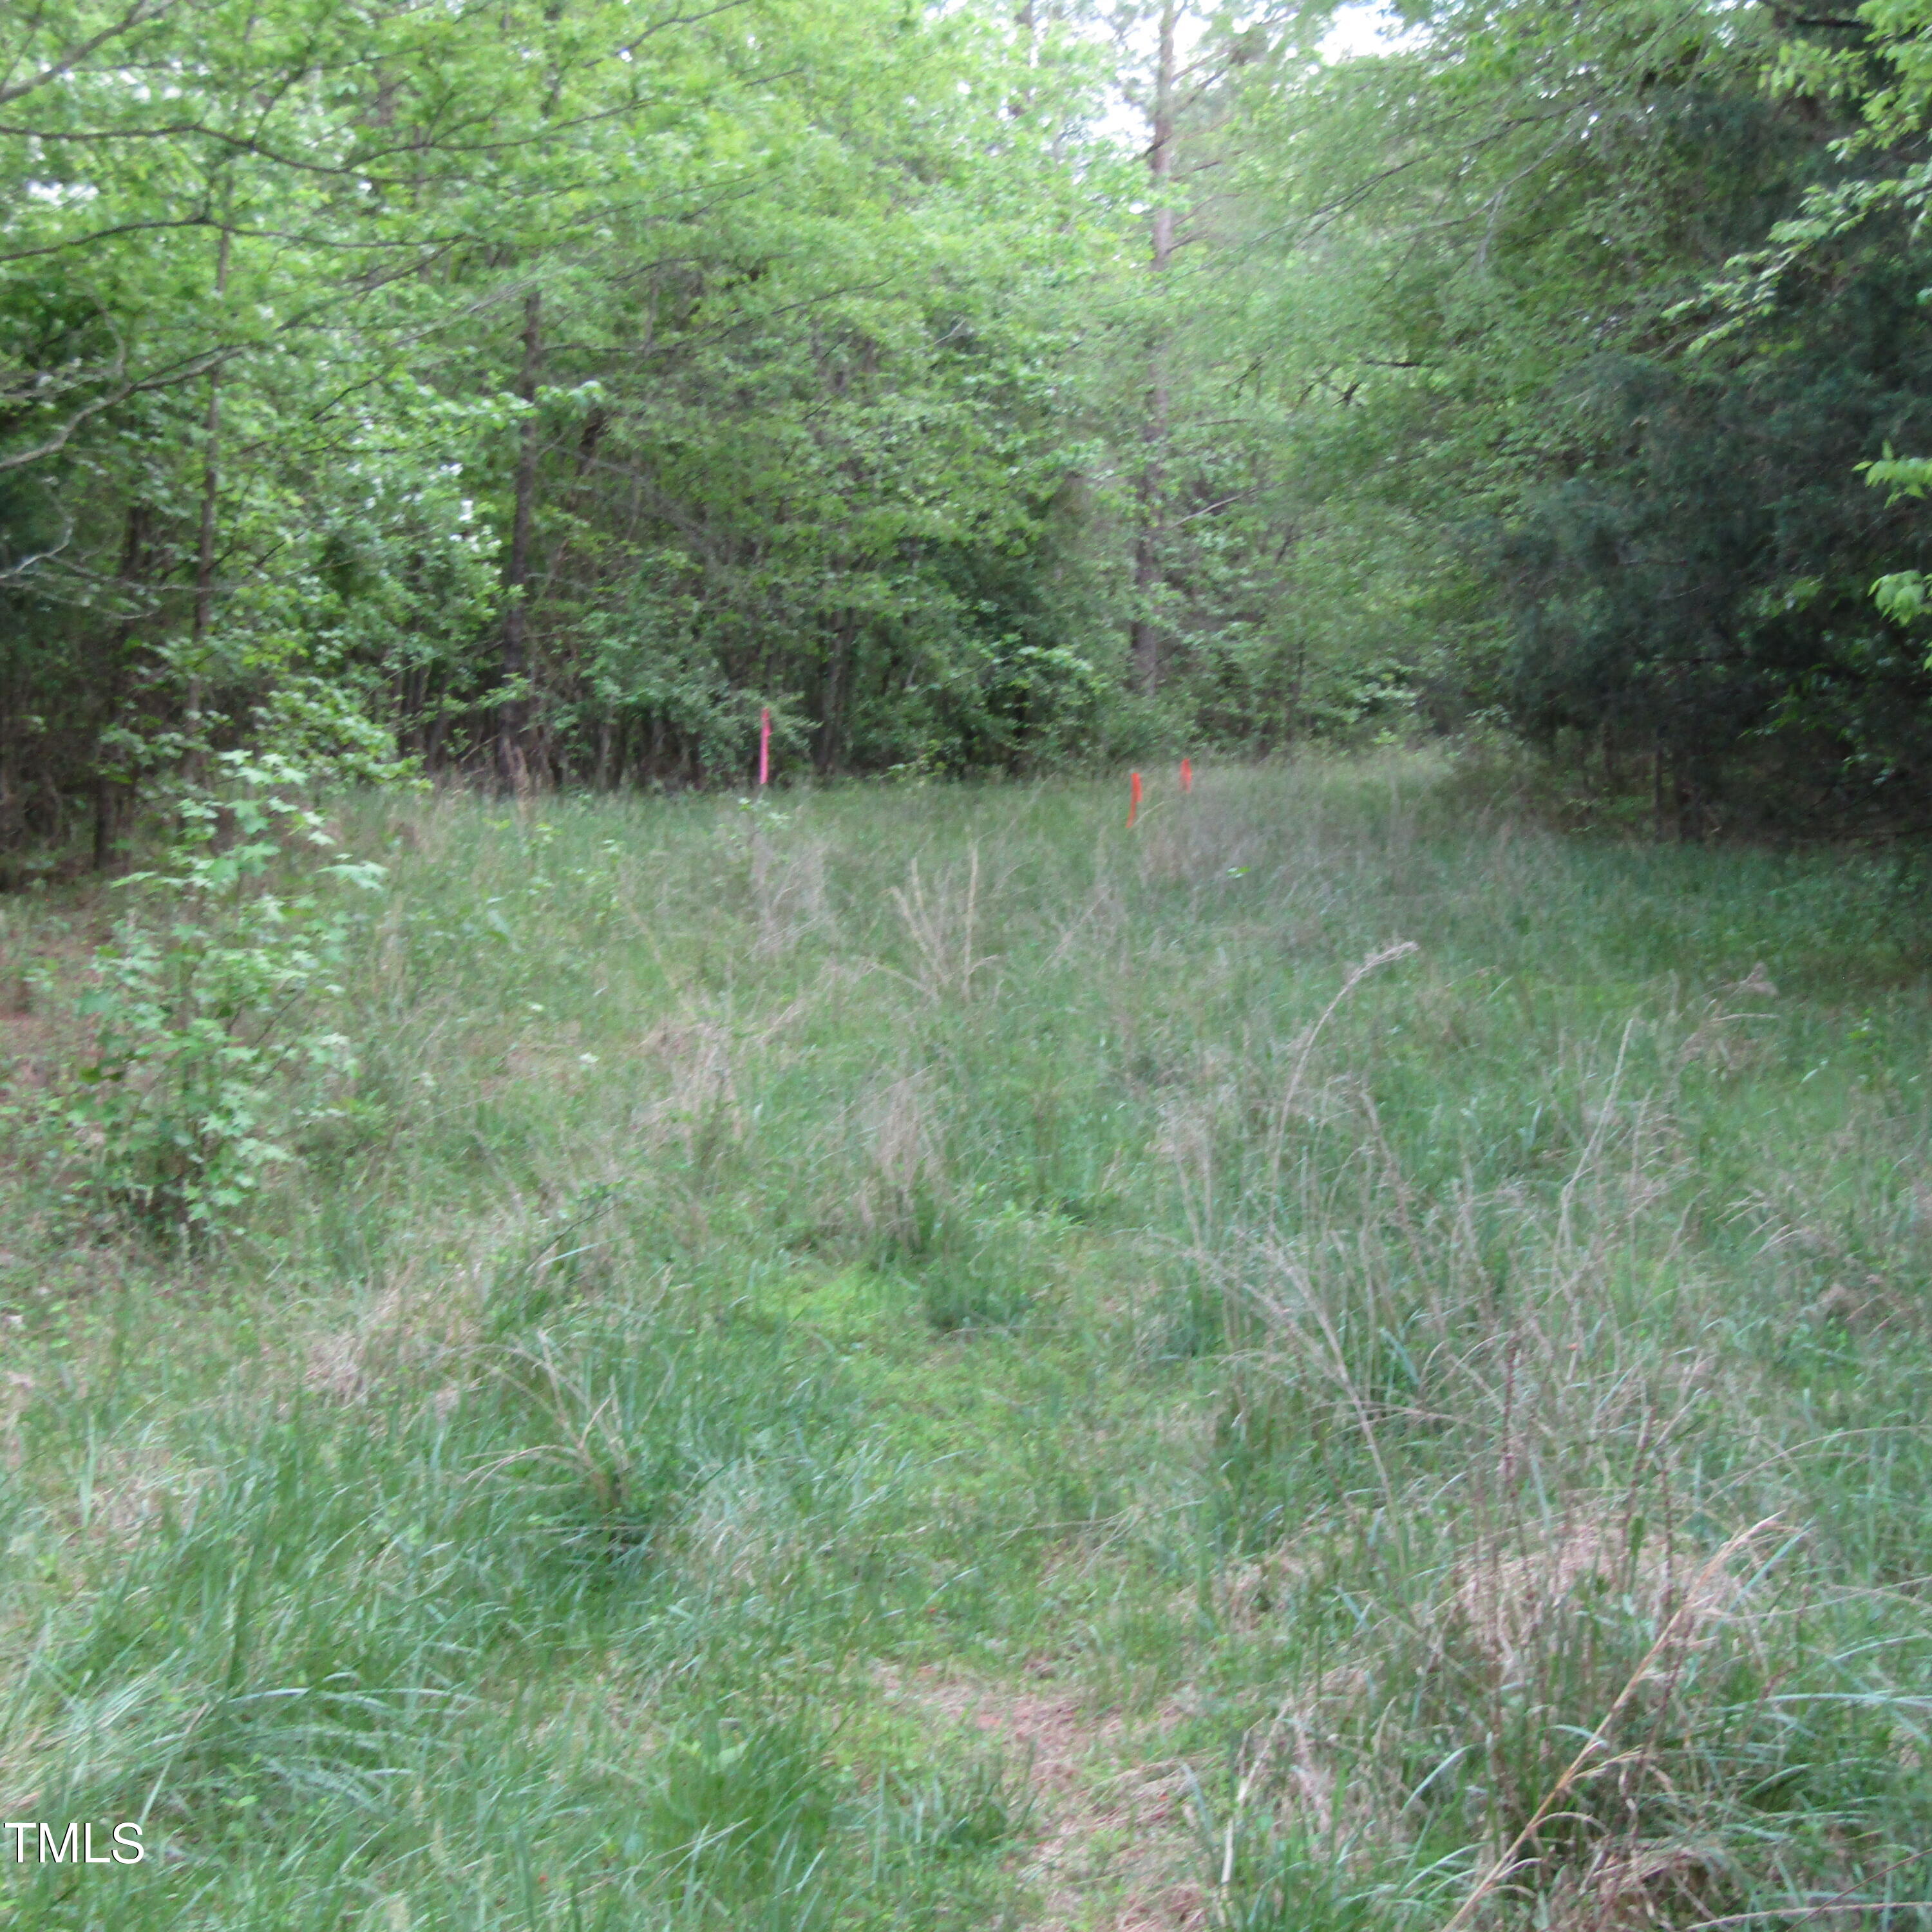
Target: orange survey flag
<point x="1133" y="799"/>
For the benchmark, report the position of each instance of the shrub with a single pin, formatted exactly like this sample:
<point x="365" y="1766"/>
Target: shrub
<point x="212" y="1042"/>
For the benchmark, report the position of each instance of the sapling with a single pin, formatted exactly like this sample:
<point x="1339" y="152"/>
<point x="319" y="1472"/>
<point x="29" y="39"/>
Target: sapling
<point x="213" y="1044"/>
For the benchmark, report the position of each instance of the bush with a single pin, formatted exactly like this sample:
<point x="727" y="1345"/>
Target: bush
<point x="211" y="1046"/>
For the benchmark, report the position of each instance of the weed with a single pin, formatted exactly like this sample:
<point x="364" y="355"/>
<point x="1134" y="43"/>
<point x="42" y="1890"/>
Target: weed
<point x="1391" y="1439"/>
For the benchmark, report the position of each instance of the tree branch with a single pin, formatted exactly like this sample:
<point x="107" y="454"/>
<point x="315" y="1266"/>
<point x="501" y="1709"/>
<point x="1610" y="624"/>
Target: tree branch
<point x="141" y="14"/>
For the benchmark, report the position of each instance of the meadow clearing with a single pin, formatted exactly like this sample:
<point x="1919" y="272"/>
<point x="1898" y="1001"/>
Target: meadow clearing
<point x="911" y="1357"/>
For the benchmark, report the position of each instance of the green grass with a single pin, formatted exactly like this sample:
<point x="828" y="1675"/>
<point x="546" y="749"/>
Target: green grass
<point x="918" y="1360"/>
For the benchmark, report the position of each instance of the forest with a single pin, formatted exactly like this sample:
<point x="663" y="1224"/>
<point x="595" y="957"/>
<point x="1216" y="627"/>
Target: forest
<point x="965" y="967"/>
<point x="540" y="393"/>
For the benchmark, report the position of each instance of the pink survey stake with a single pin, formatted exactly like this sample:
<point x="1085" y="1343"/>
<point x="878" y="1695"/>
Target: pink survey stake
<point x="765" y="746"/>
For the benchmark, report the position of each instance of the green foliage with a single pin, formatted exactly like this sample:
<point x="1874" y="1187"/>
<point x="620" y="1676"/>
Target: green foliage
<point x="214" y="1041"/>
<point x="558" y="391"/>
<point x="1574" y="489"/>
<point x="553" y="387"/>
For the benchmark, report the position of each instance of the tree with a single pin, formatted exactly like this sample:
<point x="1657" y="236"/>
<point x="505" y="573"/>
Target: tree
<point x="1467" y="295"/>
<point x="550" y="384"/>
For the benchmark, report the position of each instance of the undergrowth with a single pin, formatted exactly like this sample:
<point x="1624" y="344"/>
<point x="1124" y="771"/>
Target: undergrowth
<point x="916" y="1358"/>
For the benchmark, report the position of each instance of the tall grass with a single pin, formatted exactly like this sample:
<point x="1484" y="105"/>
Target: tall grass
<point x="1396" y="1343"/>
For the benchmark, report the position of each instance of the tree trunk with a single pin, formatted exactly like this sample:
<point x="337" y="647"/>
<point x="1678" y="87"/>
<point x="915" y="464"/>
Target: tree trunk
<point x="831" y="734"/>
<point x="512" y="714"/>
<point x="1149" y="532"/>
<point x="204" y="558"/>
<point x="108" y="785"/>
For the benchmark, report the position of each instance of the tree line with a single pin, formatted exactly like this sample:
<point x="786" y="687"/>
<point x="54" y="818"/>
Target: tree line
<point x="539" y="391"/>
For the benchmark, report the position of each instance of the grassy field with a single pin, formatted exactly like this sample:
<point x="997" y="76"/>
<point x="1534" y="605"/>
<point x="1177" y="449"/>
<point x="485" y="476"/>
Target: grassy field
<point x="917" y="1359"/>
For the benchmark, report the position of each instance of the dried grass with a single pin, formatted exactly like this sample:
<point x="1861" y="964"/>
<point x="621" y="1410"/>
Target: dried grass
<point x="413" y="1328"/>
<point x="701" y="1105"/>
<point x="790" y="900"/>
<point x="942" y="921"/>
<point x="905" y="1168"/>
<point x="1507" y="1598"/>
<point x="1721" y="1039"/>
<point x="1685" y="1625"/>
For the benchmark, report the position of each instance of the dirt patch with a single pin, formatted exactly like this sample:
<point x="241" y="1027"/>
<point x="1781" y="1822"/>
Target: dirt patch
<point x="1111" y="1848"/>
